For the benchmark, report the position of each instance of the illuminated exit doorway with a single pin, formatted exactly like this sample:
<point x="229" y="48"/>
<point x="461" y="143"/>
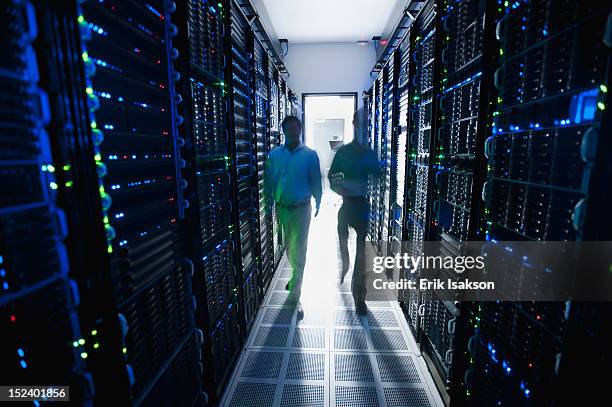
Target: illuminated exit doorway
<point x="328" y="124"/>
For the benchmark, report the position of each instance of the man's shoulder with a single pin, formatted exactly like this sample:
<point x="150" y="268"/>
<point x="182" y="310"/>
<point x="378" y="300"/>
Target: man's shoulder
<point x="309" y="151"/>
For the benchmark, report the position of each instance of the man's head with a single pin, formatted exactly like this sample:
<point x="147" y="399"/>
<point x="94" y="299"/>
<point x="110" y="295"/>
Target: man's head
<point x="359" y="126"/>
<point x="292" y="128"/>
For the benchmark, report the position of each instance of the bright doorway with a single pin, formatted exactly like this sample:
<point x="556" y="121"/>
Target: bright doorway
<point x="328" y="123"/>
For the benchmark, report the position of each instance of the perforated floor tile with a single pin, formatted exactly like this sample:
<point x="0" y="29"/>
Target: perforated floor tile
<point x="397" y="368"/>
<point x="347" y="317"/>
<point x="350" y="339"/>
<point x="314" y="317"/>
<point x="253" y="395"/>
<point x="271" y="336"/>
<point x="331" y="357"/>
<point x="406" y="397"/>
<point x="378" y="304"/>
<point x="306" y="366"/>
<point x="297" y="395"/>
<point x="309" y="338"/>
<point x="388" y="339"/>
<point x="263" y="365"/>
<point x="382" y="318"/>
<point x="352" y="368"/>
<point x="279" y="298"/>
<point x="281" y="284"/>
<point x="350" y="396"/>
<point x="277" y="316"/>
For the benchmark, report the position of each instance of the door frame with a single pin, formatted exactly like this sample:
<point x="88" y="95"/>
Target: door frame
<point x="305" y="95"/>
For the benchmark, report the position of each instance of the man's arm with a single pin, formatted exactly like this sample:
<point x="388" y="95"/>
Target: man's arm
<point x="334" y="172"/>
<point x="315" y="180"/>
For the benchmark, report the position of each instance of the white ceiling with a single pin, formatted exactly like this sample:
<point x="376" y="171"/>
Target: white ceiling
<point x="329" y="20"/>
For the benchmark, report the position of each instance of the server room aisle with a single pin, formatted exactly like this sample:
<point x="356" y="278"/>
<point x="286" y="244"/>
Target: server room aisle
<point x="332" y="357"/>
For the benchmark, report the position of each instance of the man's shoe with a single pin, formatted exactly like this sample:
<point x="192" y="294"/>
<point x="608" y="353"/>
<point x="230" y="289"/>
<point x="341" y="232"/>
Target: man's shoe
<point x="362" y="309"/>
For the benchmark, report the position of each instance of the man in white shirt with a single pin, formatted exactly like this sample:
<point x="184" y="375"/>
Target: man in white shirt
<point x="292" y="178"/>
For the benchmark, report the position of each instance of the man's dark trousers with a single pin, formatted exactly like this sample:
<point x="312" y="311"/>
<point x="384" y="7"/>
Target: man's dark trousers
<point x="355" y="213"/>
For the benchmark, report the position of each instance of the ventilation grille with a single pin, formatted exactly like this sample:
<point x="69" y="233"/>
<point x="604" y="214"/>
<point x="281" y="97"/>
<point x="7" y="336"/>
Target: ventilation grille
<point x="271" y="336"/>
<point x="309" y="338"/>
<point x="388" y="340"/>
<point x="350" y="339"/>
<point x="306" y="366"/>
<point x="253" y="395"/>
<point x="353" y="368"/>
<point x="382" y="318"/>
<point x="349" y="396"/>
<point x="347" y="317"/>
<point x="406" y="397"/>
<point x="303" y="395"/>
<point x="396" y="368"/>
<point x="264" y="365"/>
<point x="277" y="316"/>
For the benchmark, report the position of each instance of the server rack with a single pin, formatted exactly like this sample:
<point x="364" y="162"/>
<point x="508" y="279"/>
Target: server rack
<point x="244" y="158"/>
<point x="33" y="229"/>
<point x="131" y="47"/>
<point x="275" y="140"/>
<point x="374" y="188"/>
<point x="423" y="78"/>
<point x="399" y="146"/>
<point x="462" y="99"/>
<point x="545" y="166"/>
<point x="210" y="238"/>
<point x="387" y="151"/>
<point x="266" y="236"/>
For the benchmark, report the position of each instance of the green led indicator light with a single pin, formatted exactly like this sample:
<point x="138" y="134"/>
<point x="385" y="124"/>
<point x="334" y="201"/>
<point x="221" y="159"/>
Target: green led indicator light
<point x="603" y="88"/>
<point x="50" y="168"/>
<point x="75" y="344"/>
<point x="85" y="56"/>
<point x="96" y="345"/>
<point x="81" y="341"/>
<point x="53" y="185"/>
<point x="601" y="106"/>
<point x="124" y="350"/>
<point x="81" y="19"/>
<point x="66" y="167"/>
<point x="94" y="125"/>
<point x="89" y="90"/>
<point x="109" y="249"/>
<point x="94" y="332"/>
<point x="69" y="184"/>
<point x="84" y="355"/>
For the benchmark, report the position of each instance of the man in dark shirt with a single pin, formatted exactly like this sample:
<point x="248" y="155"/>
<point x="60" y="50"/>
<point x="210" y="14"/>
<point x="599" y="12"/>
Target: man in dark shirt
<point x="353" y="164"/>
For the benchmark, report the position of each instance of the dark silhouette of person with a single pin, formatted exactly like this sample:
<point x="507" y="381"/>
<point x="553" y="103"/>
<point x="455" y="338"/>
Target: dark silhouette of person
<point x="353" y="165"/>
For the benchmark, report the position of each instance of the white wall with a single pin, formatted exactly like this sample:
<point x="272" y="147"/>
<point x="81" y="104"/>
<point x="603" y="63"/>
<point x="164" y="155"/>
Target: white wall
<point x="330" y="67"/>
<point x="327" y="107"/>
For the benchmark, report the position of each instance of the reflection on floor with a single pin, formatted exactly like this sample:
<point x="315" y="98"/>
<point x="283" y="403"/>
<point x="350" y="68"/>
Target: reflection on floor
<point x="332" y="357"/>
